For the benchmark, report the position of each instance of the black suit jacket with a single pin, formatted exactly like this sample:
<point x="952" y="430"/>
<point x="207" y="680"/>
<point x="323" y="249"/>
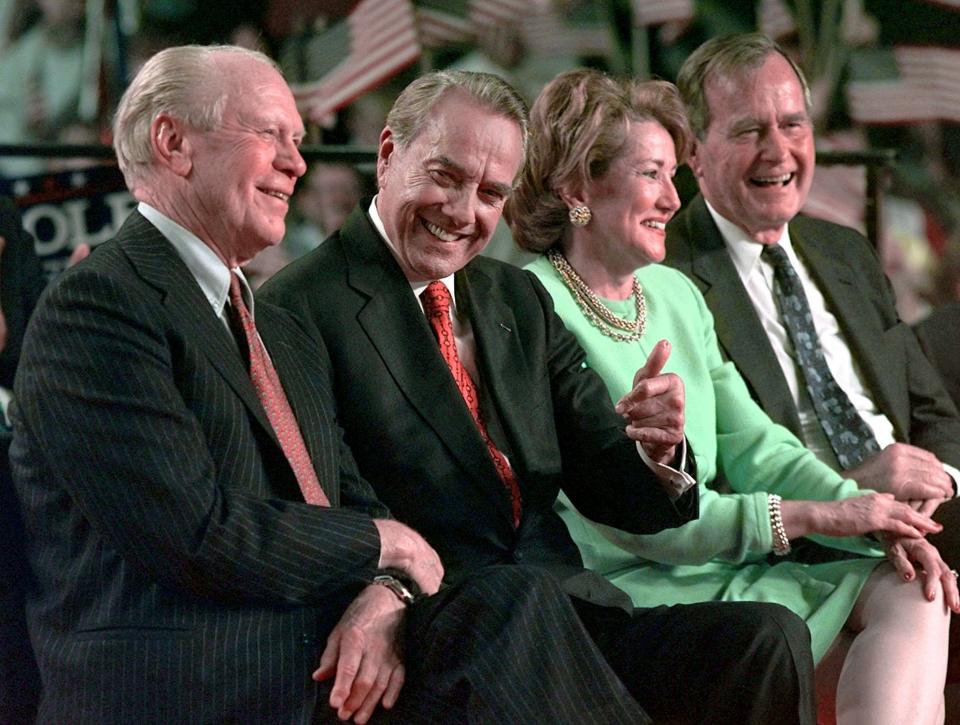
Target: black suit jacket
<point x="180" y="576"/>
<point x="845" y="267"/>
<point x="414" y="438"/>
<point x="939" y="333"/>
<point x="21" y="282"/>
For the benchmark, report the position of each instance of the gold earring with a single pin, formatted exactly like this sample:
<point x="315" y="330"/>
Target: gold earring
<point x="580" y="215"/>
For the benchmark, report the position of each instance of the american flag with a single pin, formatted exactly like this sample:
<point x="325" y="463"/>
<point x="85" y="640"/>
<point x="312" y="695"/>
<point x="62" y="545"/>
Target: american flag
<point x="450" y="22"/>
<point x="839" y="192"/>
<point x="547" y="33"/>
<point x="928" y="89"/>
<point x="657" y="12"/>
<point x="498" y="12"/>
<point x="377" y="40"/>
<point x="444" y="22"/>
<point x="774" y="18"/>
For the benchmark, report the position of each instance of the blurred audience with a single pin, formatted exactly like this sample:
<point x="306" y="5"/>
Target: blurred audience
<point x="321" y="204"/>
<point x="41" y="77"/>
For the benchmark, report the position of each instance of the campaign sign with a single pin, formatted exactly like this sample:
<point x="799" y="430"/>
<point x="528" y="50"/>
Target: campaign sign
<point x="66" y="209"/>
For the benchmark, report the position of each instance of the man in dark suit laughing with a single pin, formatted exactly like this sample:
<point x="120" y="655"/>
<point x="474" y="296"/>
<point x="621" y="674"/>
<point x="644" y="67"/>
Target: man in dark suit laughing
<point x="469" y="406"/>
<point x="202" y="546"/>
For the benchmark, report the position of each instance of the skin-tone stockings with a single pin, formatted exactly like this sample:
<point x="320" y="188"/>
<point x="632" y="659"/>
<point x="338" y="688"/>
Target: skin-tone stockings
<point x="888" y="665"/>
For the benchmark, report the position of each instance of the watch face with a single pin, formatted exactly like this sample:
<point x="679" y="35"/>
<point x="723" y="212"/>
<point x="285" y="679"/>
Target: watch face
<point x="395" y="586"/>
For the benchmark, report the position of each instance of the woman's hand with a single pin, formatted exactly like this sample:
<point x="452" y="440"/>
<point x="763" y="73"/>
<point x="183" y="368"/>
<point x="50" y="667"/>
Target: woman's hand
<point x="874" y="512"/>
<point x="906" y="553"/>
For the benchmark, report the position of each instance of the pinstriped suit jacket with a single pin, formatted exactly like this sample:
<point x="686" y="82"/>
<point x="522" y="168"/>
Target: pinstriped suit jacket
<point x="180" y="577"/>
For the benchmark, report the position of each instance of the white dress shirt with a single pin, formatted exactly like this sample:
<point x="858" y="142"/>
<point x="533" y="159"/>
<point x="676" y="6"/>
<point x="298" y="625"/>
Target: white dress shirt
<point x="206" y="267"/>
<point x="758" y="279"/>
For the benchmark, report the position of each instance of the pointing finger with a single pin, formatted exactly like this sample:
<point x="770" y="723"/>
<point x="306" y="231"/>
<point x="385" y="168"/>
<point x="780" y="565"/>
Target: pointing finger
<point x="655" y="362"/>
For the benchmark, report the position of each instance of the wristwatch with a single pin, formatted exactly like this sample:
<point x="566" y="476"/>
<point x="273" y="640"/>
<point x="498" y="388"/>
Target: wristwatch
<point x="396" y="586"/>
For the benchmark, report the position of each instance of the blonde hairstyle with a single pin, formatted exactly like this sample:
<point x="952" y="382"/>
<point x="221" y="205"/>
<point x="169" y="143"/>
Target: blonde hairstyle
<point x="578" y="126"/>
<point x="184" y="81"/>
<point x="723" y="57"/>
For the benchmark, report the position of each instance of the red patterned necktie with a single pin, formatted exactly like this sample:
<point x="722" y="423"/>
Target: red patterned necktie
<point x="274" y="400"/>
<point x="436" y="305"/>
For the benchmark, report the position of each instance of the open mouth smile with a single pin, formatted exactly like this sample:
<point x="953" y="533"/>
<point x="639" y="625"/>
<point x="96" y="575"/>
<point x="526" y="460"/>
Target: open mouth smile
<point x="439" y="233"/>
<point x="768" y="181"/>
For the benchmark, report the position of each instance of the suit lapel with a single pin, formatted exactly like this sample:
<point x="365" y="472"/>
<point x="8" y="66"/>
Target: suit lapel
<point x="738" y="327"/>
<point x="396" y="326"/>
<point x="839" y="284"/>
<point x="159" y="265"/>
<point x="499" y="355"/>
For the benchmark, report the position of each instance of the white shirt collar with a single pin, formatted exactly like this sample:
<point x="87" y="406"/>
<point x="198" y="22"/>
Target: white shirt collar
<point x="207" y="268"/>
<point x="744" y="251"/>
<point x="417" y="287"/>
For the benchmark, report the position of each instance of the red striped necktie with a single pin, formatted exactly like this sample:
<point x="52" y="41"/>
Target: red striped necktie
<point x="436" y="304"/>
<point x="275" y="403"/>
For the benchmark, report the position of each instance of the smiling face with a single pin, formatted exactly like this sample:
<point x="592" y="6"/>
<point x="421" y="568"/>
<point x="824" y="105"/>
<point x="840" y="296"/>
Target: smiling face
<point x="755" y="163"/>
<point x="441" y="195"/>
<point x="632" y="201"/>
<point x="244" y="170"/>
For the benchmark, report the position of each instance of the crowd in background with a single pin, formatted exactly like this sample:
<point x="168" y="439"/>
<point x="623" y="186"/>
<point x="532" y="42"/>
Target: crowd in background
<point x="64" y="63"/>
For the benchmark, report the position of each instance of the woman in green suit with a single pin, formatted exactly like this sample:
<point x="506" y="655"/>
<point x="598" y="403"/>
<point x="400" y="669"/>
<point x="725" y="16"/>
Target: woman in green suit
<point x="594" y="198"/>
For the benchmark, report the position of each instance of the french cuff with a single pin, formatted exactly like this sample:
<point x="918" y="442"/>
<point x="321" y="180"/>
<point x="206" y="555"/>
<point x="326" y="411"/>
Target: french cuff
<point x="676" y="481"/>
<point x="955" y="475"/>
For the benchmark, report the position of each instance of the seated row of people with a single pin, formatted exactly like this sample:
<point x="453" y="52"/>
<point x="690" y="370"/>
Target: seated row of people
<point x="395" y="487"/>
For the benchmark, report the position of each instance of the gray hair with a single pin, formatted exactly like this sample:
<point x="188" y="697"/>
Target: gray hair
<point x="723" y="57"/>
<point x="411" y="109"/>
<point x="183" y="81"/>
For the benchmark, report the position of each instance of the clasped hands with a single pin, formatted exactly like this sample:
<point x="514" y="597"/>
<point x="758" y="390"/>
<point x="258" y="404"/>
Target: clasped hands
<point x="909" y="473"/>
<point x="363" y="652"/>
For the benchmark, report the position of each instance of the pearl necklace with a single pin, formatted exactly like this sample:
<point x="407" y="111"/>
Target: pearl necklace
<point x="598" y="314"/>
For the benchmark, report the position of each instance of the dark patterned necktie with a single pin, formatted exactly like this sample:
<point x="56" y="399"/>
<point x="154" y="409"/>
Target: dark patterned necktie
<point x="436" y="306"/>
<point x="275" y="403"/>
<point x="849" y="435"/>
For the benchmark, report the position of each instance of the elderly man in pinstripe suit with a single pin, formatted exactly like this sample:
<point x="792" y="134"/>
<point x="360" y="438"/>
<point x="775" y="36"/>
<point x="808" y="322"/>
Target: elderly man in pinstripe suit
<point x="202" y="547"/>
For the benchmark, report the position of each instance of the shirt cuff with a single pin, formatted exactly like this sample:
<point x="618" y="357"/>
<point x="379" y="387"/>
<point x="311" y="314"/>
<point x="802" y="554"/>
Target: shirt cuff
<point x="677" y="482"/>
<point x="5" y="397"/>
<point x="955" y="475"/>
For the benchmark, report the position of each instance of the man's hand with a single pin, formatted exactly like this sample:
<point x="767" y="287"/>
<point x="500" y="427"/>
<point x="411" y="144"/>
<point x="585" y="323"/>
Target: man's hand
<point x="654" y="407"/>
<point x="403" y="548"/>
<point x="908" y="472"/>
<point x="364" y="653"/>
<point x="926" y="506"/>
<point x="905" y="553"/>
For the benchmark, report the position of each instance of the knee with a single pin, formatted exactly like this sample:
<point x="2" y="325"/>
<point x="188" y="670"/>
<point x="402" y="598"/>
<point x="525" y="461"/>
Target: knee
<point x="512" y="583"/>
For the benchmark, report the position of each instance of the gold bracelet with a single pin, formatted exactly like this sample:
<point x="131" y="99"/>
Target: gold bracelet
<point x="781" y="544"/>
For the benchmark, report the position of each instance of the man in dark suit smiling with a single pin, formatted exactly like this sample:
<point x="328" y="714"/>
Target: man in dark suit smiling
<point x="203" y="548"/>
<point x="802" y="306"/>
<point x="744" y="243"/>
<point x="468" y="406"/>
